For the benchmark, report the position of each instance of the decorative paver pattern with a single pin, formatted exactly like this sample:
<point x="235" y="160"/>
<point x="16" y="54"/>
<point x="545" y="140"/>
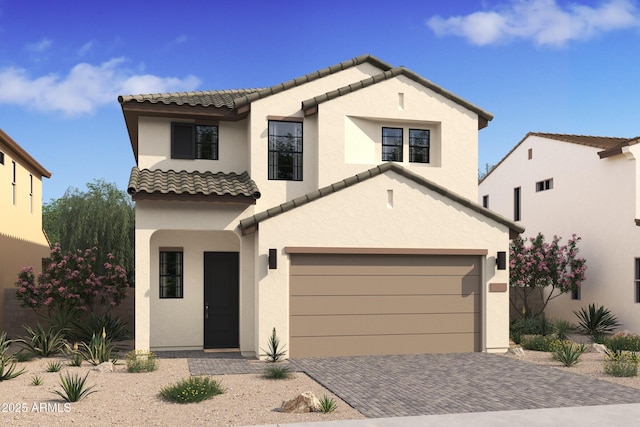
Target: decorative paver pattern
<point x="227" y="363"/>
<point x="404" y="385"/>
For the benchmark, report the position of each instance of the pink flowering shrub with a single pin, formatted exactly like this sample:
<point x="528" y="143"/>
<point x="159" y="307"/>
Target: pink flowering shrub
<point x="535" y="265"/>
<point x="69" y="281"/>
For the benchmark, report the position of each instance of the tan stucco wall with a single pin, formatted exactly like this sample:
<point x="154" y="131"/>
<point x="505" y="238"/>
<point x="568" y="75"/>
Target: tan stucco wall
<point x="591" y="197"/>
<point x="359" y="217"/>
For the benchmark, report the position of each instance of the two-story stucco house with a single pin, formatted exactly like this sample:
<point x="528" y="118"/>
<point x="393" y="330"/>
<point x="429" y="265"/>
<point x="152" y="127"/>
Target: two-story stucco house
<point x="338" y="207"/>
<point x="23" y="243"/>
<point x="562" y="185"/>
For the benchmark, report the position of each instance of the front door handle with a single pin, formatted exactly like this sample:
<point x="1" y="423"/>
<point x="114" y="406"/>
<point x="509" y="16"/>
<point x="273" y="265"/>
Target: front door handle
<point x="206" y="311"/>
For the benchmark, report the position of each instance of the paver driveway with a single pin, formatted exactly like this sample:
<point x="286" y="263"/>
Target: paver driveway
<point x="390" y="386"/>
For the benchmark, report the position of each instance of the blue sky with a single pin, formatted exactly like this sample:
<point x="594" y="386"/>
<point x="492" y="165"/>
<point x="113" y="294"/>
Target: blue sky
<point x="537" y="65"/>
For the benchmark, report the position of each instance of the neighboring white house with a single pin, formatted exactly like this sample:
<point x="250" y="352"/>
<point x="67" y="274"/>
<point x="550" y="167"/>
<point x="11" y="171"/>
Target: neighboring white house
<point x="338" y="207"/>
<point x="585" y="185"/>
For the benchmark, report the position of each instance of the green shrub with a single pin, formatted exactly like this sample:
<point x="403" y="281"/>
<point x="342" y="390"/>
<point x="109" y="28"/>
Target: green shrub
<point x="623" y="343"/>
<point x="74" y="387"/>
<point x="327" y="404"/>
<point x="98" y="350"/>
<point x="532" y="326"/>
<point x="547" y="343"/>
<point x="569" y="353"/>
<point x="561" y="329"/>
<point x="621" y="363"/>
<point x="42" y="342"/>
<point x="192" y="389"/>
<point x="114" y="327"/>
<point x="277" y="372"/>
<point x="275" y="350"/>
<point x="141" y="361"/>
<point x="597" y="323"/>
<point x="23" y="356"/>
<point x="54" y="366"/>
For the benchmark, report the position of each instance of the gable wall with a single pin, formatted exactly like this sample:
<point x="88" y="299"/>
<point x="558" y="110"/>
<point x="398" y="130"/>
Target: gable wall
<point x="362" y="216"/>
<point x="591" y="197"/>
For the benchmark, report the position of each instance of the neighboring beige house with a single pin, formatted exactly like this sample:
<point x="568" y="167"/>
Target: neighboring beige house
<point x="23" y="242"/>
<point x="337" y="207"/>
<point x="585" y="185"/>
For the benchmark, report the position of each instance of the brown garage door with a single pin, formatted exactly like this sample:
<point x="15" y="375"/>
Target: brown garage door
<point x="383" y="304"/>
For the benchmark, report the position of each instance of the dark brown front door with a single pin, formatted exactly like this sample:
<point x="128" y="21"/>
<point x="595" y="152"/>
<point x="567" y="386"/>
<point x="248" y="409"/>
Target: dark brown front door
<point x="221" y="300"/>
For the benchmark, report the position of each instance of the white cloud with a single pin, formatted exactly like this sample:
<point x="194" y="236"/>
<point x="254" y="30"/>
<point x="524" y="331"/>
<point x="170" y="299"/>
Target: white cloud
<point x="85" y="48"/>
<point x="40" y="46"/>
<point x="85" y="88"/>
<point x="542" y="21"/>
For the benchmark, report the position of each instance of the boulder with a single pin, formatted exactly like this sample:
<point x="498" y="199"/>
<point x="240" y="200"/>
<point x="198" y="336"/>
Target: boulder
<point x="597" y="348"/>
<point x="104" y="367"/>
<point x="305" y="402"/>
<point x="516" y="351"/>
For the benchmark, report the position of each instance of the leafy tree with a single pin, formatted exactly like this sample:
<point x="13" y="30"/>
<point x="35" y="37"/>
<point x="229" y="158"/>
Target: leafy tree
<point x="102" y="217"/>
<point x="536" y="266"/>
<point x="69" y="282"/>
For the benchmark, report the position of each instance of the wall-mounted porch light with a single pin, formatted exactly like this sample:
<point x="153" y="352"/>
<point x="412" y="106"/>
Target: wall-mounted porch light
<point x="273" y="259"/>
<point x="501" y="260"/>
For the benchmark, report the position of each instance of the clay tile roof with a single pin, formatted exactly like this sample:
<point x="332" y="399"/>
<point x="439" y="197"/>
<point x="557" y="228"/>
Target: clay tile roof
<point x="250" y="224"/>
<point x="208" y="98"/>
<point x="151" y="183"/>
<point x="603" y="142"/>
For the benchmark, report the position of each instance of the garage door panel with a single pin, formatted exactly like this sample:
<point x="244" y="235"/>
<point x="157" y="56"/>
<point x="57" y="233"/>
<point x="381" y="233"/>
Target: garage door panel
<point x="383" y="324"/>
<point x="377" y="345"/>
<point x="388" y="265"/>
<point x="382" y="304"/>
<point x="383" y="285"/>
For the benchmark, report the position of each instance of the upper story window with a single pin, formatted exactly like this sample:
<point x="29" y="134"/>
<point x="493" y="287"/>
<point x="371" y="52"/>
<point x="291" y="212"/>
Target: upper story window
<point x="485" y="201"/>
<point x="285" y="150"/>
<point x="547" y="184"/>
<point x="13" y="183"/>
<point x="516" y="204"/>
<point x="419" y="145"/>
<point x="391" y="144"/>
<point x="637" y="281"/>
<point x="191" y="141"/>
<point x="171" y="274"/>
<point x="1" y="158"/>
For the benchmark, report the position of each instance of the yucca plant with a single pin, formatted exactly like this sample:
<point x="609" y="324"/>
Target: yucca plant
<point x="327" y="404"/>
<point x="277" y="372"/>
<point x="569" y="353"/>
<point x="74" y="354"/>
<point x="42" y="342"/>
<point x="561" y="329"/>
<point x="596" y="322"/>
<point x="74" y="387"/>
<point x="54" y="366"/>
<point x="114" y="327"/>
<point x="4" y="344"/>
<point x="275" y="351"/>
<point x="36" y="380"/>
<point x="98" y="350"/>
<point x="8" y="366"/>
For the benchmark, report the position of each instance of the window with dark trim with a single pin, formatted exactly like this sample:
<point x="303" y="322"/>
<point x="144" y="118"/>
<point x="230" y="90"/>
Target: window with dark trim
<point x="575" y="293"/>
<point x="391" y="144"/>
<point x="485" y="201"/>
<point x="419" y="145"/>
<point x="547" y="184"/>
<point x="1" y="158"/>
<point x="191" y="141"/>
<point x="637" y="281"/>
<point x="13" y="183"/>
<point x="171" y="274"/>
<point x="516" y="204"/>
<point x="285" y="150"/>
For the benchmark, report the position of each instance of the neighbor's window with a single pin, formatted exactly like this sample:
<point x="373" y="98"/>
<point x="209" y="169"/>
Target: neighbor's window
<point x="1" y="158"/>
<point x="575" y="293"/>
<point x="13" y="182"/>
<point x="516" y="204"/>
<point x="637" y="282"/>
<point x="171" y="274"/>
<point x="391" y="144"/>
<point x="285" y="150"/>
<point x="419" y="145"/>
<point x="485" y="201"/>
<point x="547" y="184"/>
<point x="191" y="141"/>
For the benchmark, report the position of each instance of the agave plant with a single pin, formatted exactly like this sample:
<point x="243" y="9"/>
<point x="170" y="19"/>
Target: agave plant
<point x="596" y="322"/>
<point x="74" y="387"/>
<point x="43" y="342"/>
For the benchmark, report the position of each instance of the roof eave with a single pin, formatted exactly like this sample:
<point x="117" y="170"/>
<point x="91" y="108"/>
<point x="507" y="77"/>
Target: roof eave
<point x="22" y="154"/>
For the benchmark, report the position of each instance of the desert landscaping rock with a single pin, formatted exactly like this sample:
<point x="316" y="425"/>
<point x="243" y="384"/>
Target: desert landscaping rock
<point x="305" y="402"/>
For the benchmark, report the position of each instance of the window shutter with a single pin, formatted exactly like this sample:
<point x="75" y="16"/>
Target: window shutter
<point x="182" y="141"/>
